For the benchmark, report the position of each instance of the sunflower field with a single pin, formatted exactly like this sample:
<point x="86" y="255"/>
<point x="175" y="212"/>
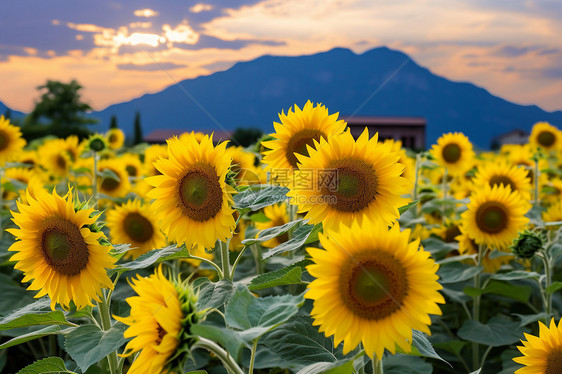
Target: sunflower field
<point x="310" y="252"/>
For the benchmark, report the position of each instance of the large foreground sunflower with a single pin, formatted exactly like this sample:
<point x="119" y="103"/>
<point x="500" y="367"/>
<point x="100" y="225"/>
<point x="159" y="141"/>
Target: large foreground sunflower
<point x="11" y="142"/>
<point x="191" y="194"/>
<point x="57" y="250"/>
<point x="159" y="323"/>
<point x="542" y="354"/>
<point x="135" y="224"/>
<point x="297" y="130"/>
<point x="344" y="180"/>
<point x="495" y="215"/>
<point x="545" y="136"/>
<point x="372" y="286"/>
<point x="454" y="152"/>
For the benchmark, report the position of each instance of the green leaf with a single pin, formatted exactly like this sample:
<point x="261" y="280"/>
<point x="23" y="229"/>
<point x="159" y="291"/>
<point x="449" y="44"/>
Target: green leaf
<point x="300" y="235"/>
<point x="228" y="338"/>
<point x="149" y="258"/>
<point x="497" y="332"/>
<point x="424" y="347"/>
<point x="447" y="260"/>
<point x="457" y="272"/>
<point x="34" y="314"/>
<point x="515" y="292"/>
<point x="288" y="275"/>
<point x="272" y="232"/>
<point x="258" y="315"/>
<point x="259" y="196"/>
<point x="530" y="318"/>
<point x="109" y="174"/>
<point x="49" y="365"/>
<point x="197" y="372"/>
<point x="405" y="208"/>
<point x="300" y="344"/>
<point x="88" y="344"/>
<point x="516" y="274"/>
<point x="214" y="295"/>
<point x="336" y="367"/>
<point x="259" y="217"/>
<point x="36" y="334"/>
<point x="453" y="346"/>
<point x="438" y="248"/>
<point x="555" y="286"/>
<point x="313" y="236"/>
<point x="404" y="364"/>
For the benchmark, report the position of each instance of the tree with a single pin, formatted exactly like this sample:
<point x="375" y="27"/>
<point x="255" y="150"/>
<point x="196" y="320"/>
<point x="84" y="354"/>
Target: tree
<point x="246" y="136"/>
<point x="137" y="138"/>
<point x="8" y="113"/>
<point x="59" y="112"/>
<point x="113" y="122"/>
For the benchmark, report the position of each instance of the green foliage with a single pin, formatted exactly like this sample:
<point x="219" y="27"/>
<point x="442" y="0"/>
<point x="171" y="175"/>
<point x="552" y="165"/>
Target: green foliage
<point x="245" y="137"/>
<point x="113" y="122"/>
<point x="52" y="365"/>
<point x="497" y="332"/>
<point x="138" y="137"/>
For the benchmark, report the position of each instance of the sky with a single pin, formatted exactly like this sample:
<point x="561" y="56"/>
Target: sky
<point x="122" y="49"/>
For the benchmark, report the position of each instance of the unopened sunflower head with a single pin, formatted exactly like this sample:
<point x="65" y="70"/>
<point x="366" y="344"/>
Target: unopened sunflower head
<point x="160" y="321"/>
<point x="527" y="244"/>
<point x="97" y="143"/>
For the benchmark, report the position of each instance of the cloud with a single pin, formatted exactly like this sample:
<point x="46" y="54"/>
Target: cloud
<point x="198" y="8"/>
<point x="145" y="13"/>
<point x="150" y="67"/>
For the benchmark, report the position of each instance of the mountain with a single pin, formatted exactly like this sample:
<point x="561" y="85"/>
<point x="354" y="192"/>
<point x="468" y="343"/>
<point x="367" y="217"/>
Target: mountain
<point x="14" y="113"/>
<point x="250" y="94"/>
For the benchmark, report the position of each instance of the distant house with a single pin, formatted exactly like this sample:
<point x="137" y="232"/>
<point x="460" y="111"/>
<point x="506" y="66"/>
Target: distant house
<point x="159" y="136"/>
<point x="516" y="136"/>
<point x="409" y="130"/>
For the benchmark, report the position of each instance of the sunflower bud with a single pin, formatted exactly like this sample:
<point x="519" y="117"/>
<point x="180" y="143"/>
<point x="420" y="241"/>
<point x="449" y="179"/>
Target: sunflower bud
<point x="527" y="244"/>
<point x="97" y="143"/>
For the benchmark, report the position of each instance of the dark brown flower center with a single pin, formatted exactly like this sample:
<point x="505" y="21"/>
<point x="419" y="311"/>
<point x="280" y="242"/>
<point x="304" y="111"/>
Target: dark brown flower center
<point x="110" y="184"/>
<point x="355" y="187"/>
<point x="298" y="143"/>
<point x="61" y="161"/>
<point x="451" y="153"/>
<point x="4" y="140"/>
<point x="554" y="363"/>
<point x="161" y="334"/>
<point x="112" y="138"/>
<point x="546" y="138"/>
<point x="451" y="233"/>
<point x="137" y="227"/>
<point x="200" y="193"/>
<point x="502" y="179"/>
<point x="373" y="284"/>
<point x="131" y="170"/>
<point x="63" y="246"/>
<point x="491" y="217"/>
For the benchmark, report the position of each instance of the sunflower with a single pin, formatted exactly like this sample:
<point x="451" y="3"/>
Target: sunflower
<point x="545" y="136"/>
<point x="553" y="213"/>
<point x="153" y="154"/>
<point x="552" y="191"/>
<point x="495" y="215"/>
<point x="344" y="180"/>
<point x="454" y="152"/>
<point x="115" y="138"/>
<point x="132" y="164"/>
<point x="191" y="194"/>
<point x="298" y="130"/>
<point x="278" y="216"/>
<point x="498" y="173"/>
<point x="468" y="246"/>
<point x="74" y="147"/>
<point x="409" y="164"/>
<point x="542" y="354"/>
<point x="372" y="286"/>
<point x="28" y="157"/>
<point x="155" y="323"/>
<point x="11" y="142"/>
<point x="135" y="224"/>
<point x="108" y="184"/>
<point x="54" y="158"/>
<point x="58" y="251"/>
<point x="242" y="164"/>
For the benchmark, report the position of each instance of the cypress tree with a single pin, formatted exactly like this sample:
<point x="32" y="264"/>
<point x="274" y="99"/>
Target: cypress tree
<point x="113" y="122"/>
<point x="137" y="138"/>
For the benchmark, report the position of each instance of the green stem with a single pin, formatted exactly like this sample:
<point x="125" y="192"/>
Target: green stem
<point x="106" y="325"/>
<point x="536" y="176"/>
<point x="484" y="356"/>
<point x="476" y="307"/>
<point x="1" y="201"/>
<point x="548" y="282"/>
<point x="444" y="188"/>
<point x="219" y="270"/>
<point x="227" y="360"/>
<point x="256" y="252"/>
<point x="225" y="261"/>
<point x="253" y="356"/>
<point x="95" y="181"/>
<point x="238" y="258"/>
<point x="416" y="181"/>
<point x="377" y="365"/>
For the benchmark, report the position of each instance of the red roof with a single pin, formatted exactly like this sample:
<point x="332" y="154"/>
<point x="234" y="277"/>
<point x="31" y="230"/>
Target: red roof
<point x="160" y="135"/>
<point x="385" y="121"/>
